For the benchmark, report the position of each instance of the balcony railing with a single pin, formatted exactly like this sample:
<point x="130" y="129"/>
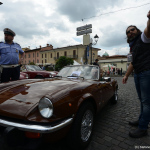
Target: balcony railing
<point x="69" y="56"/>
<point x="55" y="58"/>
<point x="72" y="56"/>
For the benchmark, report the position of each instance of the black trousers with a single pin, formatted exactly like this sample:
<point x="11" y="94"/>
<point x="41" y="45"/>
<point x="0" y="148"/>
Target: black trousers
<point x="10" y="74"/>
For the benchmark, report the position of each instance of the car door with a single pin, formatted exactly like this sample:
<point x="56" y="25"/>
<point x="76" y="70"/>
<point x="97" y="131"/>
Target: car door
<point x="106" y="91"/>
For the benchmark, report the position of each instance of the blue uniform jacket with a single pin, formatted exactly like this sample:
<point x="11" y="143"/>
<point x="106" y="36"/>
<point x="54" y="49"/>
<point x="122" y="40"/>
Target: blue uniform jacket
<point x="9" y="54"/>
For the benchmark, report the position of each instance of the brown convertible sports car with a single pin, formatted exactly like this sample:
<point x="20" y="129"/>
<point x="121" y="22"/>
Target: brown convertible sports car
<point x="35" y="110"/>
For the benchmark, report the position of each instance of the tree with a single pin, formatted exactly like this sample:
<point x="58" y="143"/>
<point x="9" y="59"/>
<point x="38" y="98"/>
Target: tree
<point x="63" y="61"/>
<point x="31" y="63"/>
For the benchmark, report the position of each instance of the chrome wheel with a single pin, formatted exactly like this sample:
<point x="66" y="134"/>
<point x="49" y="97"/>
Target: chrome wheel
<point x="114" y="99"/>
<point x="116" y="95"/>
<point x="80" y="134"/>
<point x="86" y="125"/>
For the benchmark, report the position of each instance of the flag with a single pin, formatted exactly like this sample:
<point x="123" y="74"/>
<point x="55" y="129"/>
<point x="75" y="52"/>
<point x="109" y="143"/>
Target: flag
<point x="81" y="60"/>
<point x="108" y="67"/>
<point x="111" y="69"/>
<point x="88" y="48"/>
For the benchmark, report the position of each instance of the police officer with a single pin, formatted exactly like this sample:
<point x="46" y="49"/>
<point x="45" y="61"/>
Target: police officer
<point x="9" y="57"/>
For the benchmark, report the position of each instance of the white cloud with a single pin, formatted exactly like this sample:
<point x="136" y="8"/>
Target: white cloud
<point x="115" y="51"/>
<point x="55" y="22"/>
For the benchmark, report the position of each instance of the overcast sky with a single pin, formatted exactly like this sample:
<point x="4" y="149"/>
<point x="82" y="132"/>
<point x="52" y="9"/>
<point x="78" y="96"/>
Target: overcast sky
<point x="55" y="21"/>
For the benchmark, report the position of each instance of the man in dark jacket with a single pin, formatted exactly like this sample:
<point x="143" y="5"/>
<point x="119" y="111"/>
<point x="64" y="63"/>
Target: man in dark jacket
<point x="139" y="44"/>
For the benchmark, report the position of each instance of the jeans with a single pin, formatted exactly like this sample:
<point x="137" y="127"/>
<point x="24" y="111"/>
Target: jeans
<point x="142" y="83"/>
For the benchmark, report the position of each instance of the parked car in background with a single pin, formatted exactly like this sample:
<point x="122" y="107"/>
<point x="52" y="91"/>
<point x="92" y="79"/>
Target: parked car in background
<point x="46" y="110"/>
<point x="34" y="71"/>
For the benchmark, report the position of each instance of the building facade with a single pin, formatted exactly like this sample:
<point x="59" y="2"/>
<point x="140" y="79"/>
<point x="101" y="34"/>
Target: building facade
<point x="119" y="61"/>
<point x="49" y="55"/>
<point x="31" y="56"/>
<point x="76" y="52"/>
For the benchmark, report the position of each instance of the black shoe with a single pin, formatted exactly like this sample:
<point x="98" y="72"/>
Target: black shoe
<point x="134" y="123"/>
<point x="138" y="133"/>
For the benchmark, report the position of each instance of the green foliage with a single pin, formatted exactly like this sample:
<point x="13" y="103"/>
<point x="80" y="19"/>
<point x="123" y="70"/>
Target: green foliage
<point x="31" y="63"/>
<point x="63" y="61"/>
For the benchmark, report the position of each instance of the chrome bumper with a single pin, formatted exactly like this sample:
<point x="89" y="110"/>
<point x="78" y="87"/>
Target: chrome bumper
<point x="36" y="128"/>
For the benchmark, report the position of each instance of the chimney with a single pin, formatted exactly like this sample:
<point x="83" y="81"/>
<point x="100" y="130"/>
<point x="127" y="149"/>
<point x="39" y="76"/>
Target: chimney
<point x="40" y="46"/>
<point x="47" y="45"/>
<point x="51" y="46"/>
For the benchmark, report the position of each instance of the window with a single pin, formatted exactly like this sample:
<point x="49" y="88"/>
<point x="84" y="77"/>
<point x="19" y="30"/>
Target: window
<point x="45" y="61"/>
<point x="25" y="56"/>
<point x="33" y="55"/>
<point x="45" y="55"/>
<point x="33" y="61"/>
<point x="57" y="55"/>
<point x="37" y="54"/>
<point x="51" y="55"/>
<point x="37" y="61"/>
<point x="74" y="53"/>
<point x="65" y="53"/>
<point x="29" y="56"/>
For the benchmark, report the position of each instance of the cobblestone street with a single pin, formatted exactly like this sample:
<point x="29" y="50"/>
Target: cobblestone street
<point x="111" y="124"/>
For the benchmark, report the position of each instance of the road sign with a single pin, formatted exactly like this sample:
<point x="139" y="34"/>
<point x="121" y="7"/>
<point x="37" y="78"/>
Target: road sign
<point x="88" y="26"/>
<point x="84" y="32"/>
<point x="84" y="29"/>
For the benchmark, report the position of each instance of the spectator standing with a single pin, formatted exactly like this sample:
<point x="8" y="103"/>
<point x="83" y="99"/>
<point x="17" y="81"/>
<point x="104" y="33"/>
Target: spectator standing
<point x="140" y="49"/>
<point x="101" y="71"/>
<point x="121" y="72"/>
<point x="96" y="62"/>
<point x="43" y="68"/>
<point x="9" y="57"/>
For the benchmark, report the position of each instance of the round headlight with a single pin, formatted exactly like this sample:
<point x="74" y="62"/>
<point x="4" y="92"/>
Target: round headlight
<point x="27" y="76"/>
<point x="45" y="107"/>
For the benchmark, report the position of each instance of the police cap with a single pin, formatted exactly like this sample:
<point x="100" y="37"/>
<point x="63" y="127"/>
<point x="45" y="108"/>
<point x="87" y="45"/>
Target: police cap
<point x="9" y="31"/>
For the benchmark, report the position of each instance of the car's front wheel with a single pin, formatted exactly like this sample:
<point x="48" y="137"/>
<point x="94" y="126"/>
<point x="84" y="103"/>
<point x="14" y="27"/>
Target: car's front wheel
<point x="114" y="99"/>
<point x="82" y="128"/>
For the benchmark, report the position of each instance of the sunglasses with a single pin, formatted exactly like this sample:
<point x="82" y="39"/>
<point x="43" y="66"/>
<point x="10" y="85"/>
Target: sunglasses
<point x="130" y="30"/>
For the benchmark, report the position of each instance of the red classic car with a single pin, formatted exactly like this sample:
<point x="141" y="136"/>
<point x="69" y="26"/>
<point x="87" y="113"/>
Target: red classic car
<point x="34" y="71"/>
<point x="35" y="110"/>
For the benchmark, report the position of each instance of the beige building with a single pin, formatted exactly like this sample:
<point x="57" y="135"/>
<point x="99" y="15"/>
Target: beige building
<point x="120" y="61"/>
<point x="76" y="52"/>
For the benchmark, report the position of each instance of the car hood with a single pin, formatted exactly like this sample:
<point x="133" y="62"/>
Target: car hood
<point x="18" y="97"/>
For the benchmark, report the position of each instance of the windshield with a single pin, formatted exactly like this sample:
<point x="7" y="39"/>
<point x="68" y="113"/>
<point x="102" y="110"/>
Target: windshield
<point x="88" y="72"/>
<point x="33" y="68"/>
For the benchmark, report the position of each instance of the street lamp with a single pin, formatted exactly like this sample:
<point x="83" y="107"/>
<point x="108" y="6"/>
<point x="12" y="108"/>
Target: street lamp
<point x="1" y="3"/>
<point x="96" y="39"/>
